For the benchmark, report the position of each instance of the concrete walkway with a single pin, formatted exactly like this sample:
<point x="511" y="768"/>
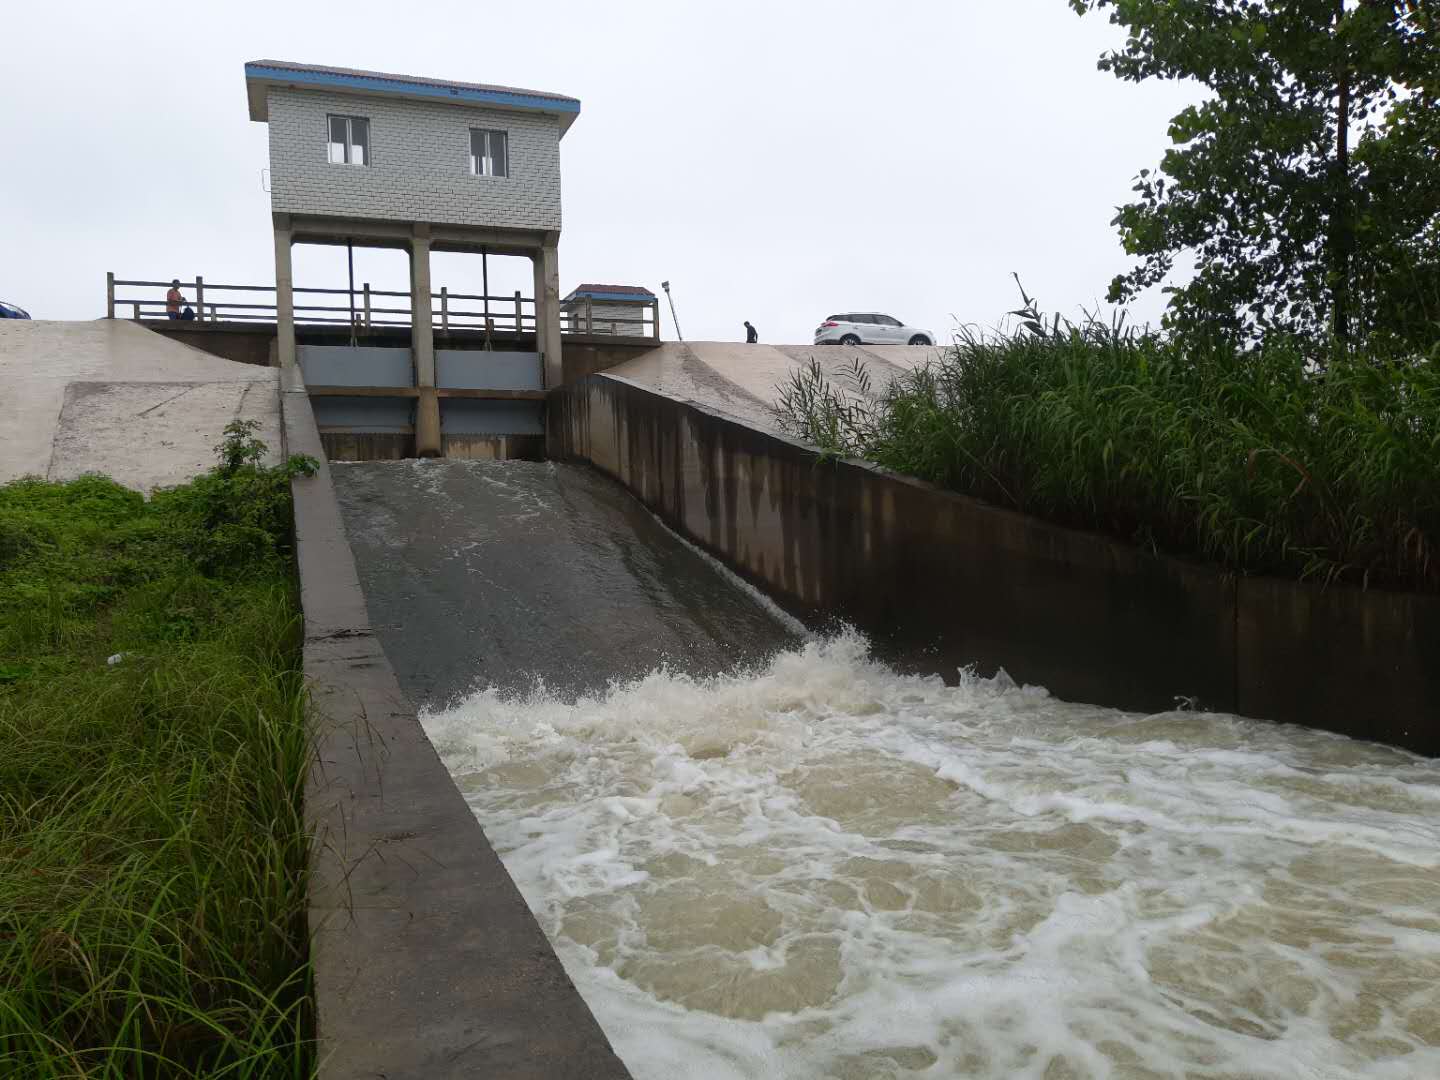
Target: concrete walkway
<point x="742" y="379"/>
<point x="112" y="397"/>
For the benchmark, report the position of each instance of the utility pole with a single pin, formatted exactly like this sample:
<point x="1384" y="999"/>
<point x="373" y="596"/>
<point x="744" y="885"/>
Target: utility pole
<point x="666" y="286"/>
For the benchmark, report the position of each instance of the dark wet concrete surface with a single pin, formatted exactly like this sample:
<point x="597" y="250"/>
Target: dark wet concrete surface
<point x="511" y="573"/>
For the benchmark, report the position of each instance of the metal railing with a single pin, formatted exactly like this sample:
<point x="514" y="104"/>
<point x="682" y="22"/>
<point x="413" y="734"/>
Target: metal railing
<point x="488" y="315"/>
<point x="365" y="307"/>
<point x="362" y="307"/>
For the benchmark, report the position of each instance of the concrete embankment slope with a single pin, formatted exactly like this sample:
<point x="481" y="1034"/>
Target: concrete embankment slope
<point x="111" y="397"/>
<point x="942" y="581"/>
<point x="741" y="380"/>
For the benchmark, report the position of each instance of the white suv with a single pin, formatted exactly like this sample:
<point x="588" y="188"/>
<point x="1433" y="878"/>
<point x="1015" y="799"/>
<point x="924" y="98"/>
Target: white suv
<point x="869" y="328"/>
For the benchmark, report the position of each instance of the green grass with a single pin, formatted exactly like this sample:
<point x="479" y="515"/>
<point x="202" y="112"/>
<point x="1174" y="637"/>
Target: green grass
<point x="1256" y="460"/>
<point x="152" y="844"/>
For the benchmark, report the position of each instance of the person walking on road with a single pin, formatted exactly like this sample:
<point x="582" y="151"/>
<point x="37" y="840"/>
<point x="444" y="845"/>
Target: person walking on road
<point x="173" y="299"/>
<point x="751" y="337"/>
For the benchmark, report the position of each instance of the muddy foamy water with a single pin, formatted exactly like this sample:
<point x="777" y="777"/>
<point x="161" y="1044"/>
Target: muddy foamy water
<point x="821" y="868"/>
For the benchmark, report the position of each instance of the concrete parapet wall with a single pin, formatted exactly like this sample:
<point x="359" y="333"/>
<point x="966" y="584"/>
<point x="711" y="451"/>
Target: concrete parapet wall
<point x="427" y="962"/>
<point x="943" y="581"/>
<point x="587" y="354"/>
<point x="243" y="342"/>
<point x="1362" y="662"/>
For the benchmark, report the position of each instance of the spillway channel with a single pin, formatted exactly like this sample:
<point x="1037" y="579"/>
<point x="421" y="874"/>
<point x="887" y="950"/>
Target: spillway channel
<point x="762" y="853"/>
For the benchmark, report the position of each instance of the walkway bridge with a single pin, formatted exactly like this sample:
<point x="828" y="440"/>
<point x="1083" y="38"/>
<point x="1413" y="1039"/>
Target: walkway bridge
<point x="356" y="348"/>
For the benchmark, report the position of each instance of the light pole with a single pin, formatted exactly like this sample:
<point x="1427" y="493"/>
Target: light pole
<point x="666" y="286"/>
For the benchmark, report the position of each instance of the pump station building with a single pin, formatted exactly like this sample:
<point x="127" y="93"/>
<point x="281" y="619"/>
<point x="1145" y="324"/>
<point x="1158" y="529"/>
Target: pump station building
<point x="372" y="159"/>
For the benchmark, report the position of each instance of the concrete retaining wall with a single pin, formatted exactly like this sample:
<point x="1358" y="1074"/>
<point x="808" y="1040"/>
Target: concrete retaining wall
<point x="587" y="354"/>
<point x="427" y="962"/>
<point x="243" y="342"/>
<point x="941" y="580"/>
<point x="367" y="446"/>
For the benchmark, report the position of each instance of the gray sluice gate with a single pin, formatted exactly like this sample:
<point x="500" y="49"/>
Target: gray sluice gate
<point x="377" y="367"/>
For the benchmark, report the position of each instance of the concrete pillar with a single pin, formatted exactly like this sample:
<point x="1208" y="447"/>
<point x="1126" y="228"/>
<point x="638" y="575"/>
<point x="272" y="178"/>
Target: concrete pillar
<point x="422" y="345"/>
<point x="547" y="311"/>
<point x="284" y="295"/>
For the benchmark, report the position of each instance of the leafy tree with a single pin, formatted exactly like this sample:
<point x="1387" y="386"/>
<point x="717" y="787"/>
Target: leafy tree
<point x="1307" y="184"/>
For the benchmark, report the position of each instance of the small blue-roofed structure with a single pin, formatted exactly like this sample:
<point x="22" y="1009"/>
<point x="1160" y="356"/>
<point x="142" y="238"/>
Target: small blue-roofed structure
<point x="621" y="310"/>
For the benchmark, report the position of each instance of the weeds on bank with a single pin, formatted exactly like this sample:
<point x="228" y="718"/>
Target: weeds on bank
<point x="1257" y="460"/>
<point x="152" y="753"/>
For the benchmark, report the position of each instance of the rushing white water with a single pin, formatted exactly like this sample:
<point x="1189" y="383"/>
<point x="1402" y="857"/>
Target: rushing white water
<point x="826" y="869"/>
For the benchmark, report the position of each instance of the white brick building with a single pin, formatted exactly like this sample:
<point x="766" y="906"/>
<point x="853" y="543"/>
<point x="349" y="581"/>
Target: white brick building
<point x="374" y="159"/>
<point x="419" y="164"/>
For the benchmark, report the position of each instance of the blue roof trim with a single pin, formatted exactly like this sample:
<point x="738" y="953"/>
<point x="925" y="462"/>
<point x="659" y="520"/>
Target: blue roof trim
<point x="610" y="295"/>
<point x="413" y="89"/>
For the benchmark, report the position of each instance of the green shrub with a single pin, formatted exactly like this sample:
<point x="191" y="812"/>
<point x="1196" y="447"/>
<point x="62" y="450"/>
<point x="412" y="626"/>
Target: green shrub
<point x="1255" y="460"/>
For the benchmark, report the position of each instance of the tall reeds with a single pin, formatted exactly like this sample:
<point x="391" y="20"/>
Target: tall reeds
<point x="1256" y="460"/>
<point x="153" y="748"/>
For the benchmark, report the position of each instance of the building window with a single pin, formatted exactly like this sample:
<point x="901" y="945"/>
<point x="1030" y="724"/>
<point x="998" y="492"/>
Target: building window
<point x="349" y="140"/>
<point x="489" y="153"/>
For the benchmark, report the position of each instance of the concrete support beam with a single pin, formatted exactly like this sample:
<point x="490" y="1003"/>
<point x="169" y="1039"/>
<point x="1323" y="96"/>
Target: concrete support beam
<point x="284" y="294"/>
<point x="422" y="344"/>
<point x="547" y="309"/>
<point x="398" y="234"/>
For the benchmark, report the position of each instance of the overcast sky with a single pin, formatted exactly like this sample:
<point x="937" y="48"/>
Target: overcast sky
<point x="778" y="161"/>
